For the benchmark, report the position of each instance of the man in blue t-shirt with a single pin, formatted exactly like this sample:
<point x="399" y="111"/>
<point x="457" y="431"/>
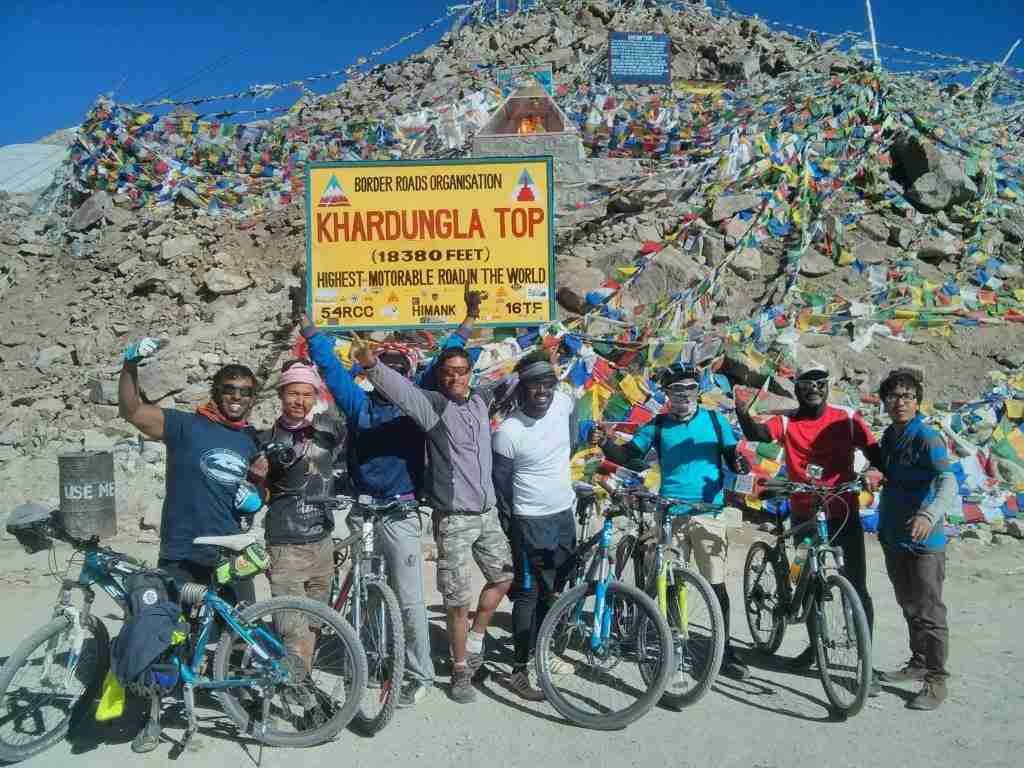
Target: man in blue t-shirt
<point x="693" y="444"/>
<point x="919" y="489"/>
<point x="208" y="457"/>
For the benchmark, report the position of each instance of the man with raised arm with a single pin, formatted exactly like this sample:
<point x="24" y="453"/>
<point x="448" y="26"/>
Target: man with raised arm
<point x="386" y="452"/>
<point x="459" y="487"/>
<point x="824" y="435"/>
<point x="207" y="493"/>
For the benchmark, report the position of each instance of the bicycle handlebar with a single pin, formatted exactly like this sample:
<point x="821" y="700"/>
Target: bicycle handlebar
<point x="341" y="500"/>
<point x="788" y="488"/>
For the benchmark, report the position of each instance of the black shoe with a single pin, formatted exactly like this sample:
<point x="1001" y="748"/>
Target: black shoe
<point x="412" y="694"/>
<point x="909" y="673"/>
<point x="733" y="668"/>
<point x="806" y="659"/>
<point x="930" y="696"/>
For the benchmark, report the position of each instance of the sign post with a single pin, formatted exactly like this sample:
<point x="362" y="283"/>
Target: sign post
<point x="639" y="59"/>
<point x="391" y="245"/>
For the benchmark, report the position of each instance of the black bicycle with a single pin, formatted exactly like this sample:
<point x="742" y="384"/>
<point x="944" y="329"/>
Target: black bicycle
<point x="777" y="592"/>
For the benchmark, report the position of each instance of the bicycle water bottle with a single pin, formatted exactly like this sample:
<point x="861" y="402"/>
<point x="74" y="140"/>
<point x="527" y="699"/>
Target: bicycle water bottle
<point x="365" y="501"/>
<point x="797" y="566"/>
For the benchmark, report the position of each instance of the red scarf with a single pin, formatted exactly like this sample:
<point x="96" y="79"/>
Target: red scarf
<point x="212" y="412"/>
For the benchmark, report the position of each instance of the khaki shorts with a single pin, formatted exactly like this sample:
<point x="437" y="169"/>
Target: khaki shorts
<point x="704" y="540"/>
<point x="302" y="570"/>
<point x="461" y="537"/>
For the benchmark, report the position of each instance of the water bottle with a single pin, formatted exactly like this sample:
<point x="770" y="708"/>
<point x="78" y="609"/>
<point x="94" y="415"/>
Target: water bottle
<point x="797" y="566"/>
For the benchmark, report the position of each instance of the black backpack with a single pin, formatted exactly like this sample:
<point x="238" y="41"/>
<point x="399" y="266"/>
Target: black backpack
<point x="154" y="624"/>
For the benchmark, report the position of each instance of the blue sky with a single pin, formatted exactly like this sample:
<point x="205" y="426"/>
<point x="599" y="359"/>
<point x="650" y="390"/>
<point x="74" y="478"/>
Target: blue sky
<point x="59" y="55"/>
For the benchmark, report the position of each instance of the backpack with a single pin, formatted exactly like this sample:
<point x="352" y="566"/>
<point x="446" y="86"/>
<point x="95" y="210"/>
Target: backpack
<point x="153" y="626"/>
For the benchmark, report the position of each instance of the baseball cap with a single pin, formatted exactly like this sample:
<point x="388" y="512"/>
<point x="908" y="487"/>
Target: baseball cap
<point x="812" y="370"/>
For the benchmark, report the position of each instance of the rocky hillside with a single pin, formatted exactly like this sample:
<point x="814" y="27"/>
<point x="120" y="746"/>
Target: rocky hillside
<point x="783" y="198"/>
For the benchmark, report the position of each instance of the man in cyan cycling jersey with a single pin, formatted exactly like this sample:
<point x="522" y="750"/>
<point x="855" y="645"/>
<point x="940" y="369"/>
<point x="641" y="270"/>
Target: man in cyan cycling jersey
<point x="693" y="445"/>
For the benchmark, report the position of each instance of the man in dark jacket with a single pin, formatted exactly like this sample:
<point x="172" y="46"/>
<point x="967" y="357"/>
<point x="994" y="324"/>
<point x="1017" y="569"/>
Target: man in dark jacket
<point x="299" y="466"/>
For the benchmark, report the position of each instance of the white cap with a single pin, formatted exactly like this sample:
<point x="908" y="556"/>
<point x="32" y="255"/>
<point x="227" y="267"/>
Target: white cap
<point x="810" y="367"/>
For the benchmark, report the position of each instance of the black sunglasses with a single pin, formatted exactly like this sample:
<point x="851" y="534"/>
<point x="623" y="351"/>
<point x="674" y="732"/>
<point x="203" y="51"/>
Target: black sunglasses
<point x="231" y="389"/>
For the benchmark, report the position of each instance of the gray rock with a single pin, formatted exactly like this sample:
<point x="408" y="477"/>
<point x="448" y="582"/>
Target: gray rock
<point x="171" y="250"/>
<point x="815" y="264"/>
<point x="1015" y="528"/>
<point x="874" y="227"/>
<point x="872" y="253"/>
<point x="47" y="358"/>
<point x="900" y="237"/>
<point x="128" y="266"/>
<point x="103" y="392"/>
<point x="931" y="193"/>
<point x="741" y="66"/>
<point x="42" y="250"/>
<point x="932" y="179"/>
<point x="1012" y="229"/>
<point x="648" y="232"/>
<point x="938" y="249"/>
<point x="162" y="377"/>
<point x="747" y="263"/>
<point x="732" y="204"/>
<point x="713" y="249"/>
<point x="222" y="282"/>
<point x="50" y="405"/>
<point x="1011" y="358"/>
<point x="91" y="212"/>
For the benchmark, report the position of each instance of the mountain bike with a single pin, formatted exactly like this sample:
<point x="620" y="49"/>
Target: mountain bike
<point x="683" y="596"/>
<point x="821" y="596"/>
<point x="611" y="634"/>
<point x="363" y="596"/>
<point x="272" y="693"/>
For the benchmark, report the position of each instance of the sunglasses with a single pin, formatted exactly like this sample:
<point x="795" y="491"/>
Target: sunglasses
<point x="812" y="383"/>
<point x="231" y="389"/>
<point x="454" y="372"/>
<point x="894" y="397"/>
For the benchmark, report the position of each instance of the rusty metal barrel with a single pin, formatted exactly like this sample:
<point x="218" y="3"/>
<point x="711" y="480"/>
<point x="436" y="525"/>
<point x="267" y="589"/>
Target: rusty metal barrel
<point x="87" y="491"/>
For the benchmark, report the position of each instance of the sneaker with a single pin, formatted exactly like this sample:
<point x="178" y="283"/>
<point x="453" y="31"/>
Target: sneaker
<point x="521" y="683"/>
<point x="147" y="739"/>
<point x="412" y="694"/>
<point x="804" y="660"/>
<point x="908" y="673"/>
<point x="474" y="661"/>
<point x="559" y="666"/>
<point x="461" y="689"/>
<point x="930" y="696"/>
<point x="733" y="668"/>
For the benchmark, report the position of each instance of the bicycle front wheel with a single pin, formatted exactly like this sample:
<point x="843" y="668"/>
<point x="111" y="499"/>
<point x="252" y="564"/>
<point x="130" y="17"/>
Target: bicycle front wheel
<point x="325" y="665"/>
<point x="51" y="680"/>
<point x="383" y="637"/>
<point x="698" y="633"/>
<point x="616" y="677"/>
<point x="843" y="644"/>
<point x="763" y="599"/>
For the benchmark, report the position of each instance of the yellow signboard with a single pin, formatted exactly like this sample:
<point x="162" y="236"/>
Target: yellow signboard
<point x="393" y="244"/>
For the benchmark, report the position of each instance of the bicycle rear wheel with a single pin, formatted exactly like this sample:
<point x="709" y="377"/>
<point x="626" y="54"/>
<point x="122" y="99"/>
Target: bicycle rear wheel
<point x="763" y="598"/>
<point x="607" y="689"/>
<point x="698" y="633"/>
<point x="843" y="644"/>
<point x="383" y="637"/>
<point x="320" y="695"/>
<point x="47" y="683"/>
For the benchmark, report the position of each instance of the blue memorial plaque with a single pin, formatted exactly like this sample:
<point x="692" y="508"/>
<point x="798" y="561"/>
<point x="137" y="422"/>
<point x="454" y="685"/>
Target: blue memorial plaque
<point x="639" y="59"/>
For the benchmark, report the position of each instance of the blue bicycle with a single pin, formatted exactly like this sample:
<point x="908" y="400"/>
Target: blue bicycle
<point x="288" y="671"/>
<point x="604" y="651"/>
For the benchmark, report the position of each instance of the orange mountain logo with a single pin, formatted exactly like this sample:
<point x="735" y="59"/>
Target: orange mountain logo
<point x="333" y="194"/>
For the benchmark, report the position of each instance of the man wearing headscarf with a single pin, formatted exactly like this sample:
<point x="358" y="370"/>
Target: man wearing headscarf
<point x="299" y="452"/>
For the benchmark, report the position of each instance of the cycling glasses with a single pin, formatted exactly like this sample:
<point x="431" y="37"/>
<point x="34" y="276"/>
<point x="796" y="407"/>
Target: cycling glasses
<point x="231" y="389"/>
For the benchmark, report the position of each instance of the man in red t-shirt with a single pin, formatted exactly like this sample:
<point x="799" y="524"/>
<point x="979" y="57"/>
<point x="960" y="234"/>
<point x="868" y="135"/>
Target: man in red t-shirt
<point x="824" y="435"/>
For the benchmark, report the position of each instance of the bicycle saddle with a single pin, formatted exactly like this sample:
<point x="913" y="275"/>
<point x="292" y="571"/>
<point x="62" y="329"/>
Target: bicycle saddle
<point x="235" y="543"/>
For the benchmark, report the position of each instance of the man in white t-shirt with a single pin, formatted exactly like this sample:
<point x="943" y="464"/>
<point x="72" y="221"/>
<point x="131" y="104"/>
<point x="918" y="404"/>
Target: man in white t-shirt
<point x="535" y="494"/>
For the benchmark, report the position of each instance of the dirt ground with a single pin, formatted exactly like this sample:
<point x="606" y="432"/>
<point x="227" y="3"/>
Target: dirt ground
<point x="776" y="718"/>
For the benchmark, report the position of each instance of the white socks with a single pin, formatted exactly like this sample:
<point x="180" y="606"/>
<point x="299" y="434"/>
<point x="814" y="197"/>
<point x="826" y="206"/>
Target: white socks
<point x="475" y="642"/>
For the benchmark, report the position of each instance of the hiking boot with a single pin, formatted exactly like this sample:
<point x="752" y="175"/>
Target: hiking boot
<point x="929" y="697"/>
<point x="522" y="684"/>
<point x="804" y="660"/>
<point x="908" y="673"/>
<point x="147" y="739"/>
<point x="461" y="689"/>
<point x="733" y="668"/>
<point x="412" y="694"/>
